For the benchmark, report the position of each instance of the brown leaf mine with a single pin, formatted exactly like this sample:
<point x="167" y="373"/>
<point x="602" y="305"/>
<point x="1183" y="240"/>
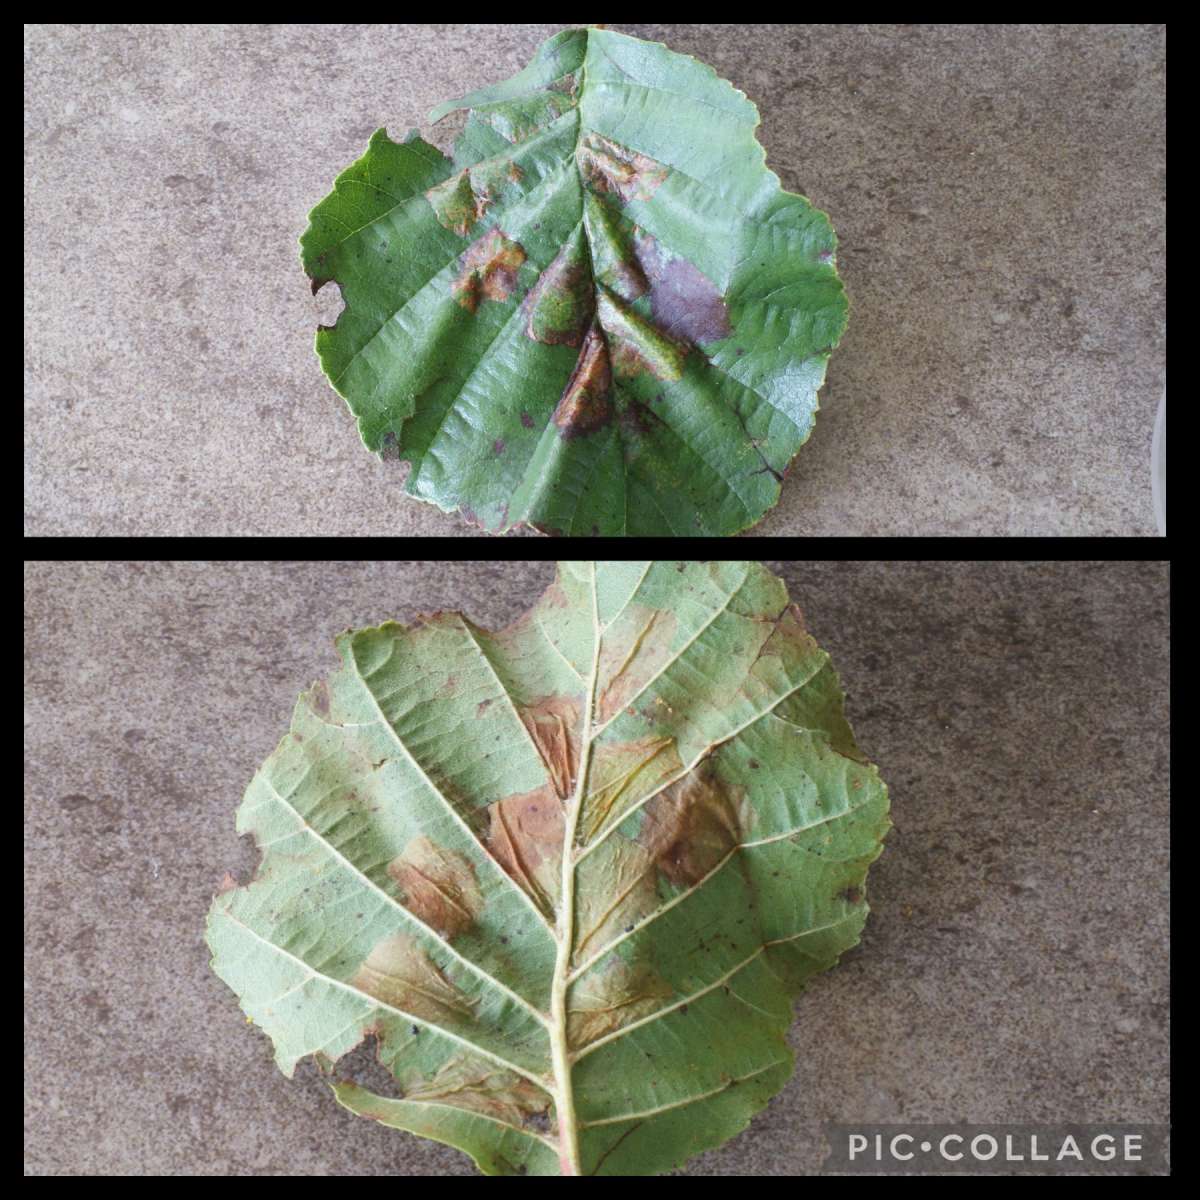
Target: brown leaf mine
<point x="586" y="402"/>
<point x="685" y="302"/>
<point x="482" y="1088"/>
<point x="525" y="835"/>
<point x="622" y="773"/>
<point x="607" y="166"/>
<point x="561" y="304"/>
<point x="462" y="200"/>
<point x="691" y="826"/>
<point x="437" y="886"/>
<point x="636" y="346"/>
<point x="488" y="270"/>
<point x="611" y="996"/>
<point x="552" y="724"/>
<point x="399" y="973"/>
<point x="635" y="651"/>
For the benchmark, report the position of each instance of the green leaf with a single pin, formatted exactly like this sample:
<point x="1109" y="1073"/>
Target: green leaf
<point x="570" y="875"/>
<point x="604" y="317"/>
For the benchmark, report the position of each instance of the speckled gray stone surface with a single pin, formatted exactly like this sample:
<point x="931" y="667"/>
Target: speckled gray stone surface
<point x="1014" y="966"/>
<point x="998" y="191"/>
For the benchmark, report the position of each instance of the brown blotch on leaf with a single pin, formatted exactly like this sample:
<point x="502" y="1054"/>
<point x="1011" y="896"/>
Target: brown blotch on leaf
<point x="613" y="252"/>
<point x="462" y="200"/>
<point x="525" y="836"/>
<point x="586" y="403"/>
<point x="612" y="996"/>
<point x="399" y="973"/>
<point x="636" y="346"/>
<point x="607" y="166"/>
<point x="691" y="826"/>
<point x="553" y="725"/>
<point x="437" y="886"/>
<point x="488" y="270"/>
<point x="482" y="1088"/>
<point x="685" y="302"/>
<point x="616" y="891"/>
<point x="634" y="652"/>
<point x="560" y="306"/>
<point x="788" y="637"/>
<point x="622" y="773"/>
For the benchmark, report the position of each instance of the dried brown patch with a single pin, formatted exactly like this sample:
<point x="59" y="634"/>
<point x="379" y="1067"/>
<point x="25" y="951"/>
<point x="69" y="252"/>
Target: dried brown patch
<point x="488" y="270"/>
<point x="612" y="996"/>
<point x="482" y="1088"/>
<point x="634" y="652"/>
<point x="462" y="200"/>
<point x="622" y="773"/>
<point x="691" y="826"/>
<point x="525" y="836"/>
<point x="553" y="725"/>
<point x="437" y="886"/>
<point x="586" y="404"/>
<point x="685" y="302"/>
<point x="402" y="975"/>
<point x="607" y="166"/>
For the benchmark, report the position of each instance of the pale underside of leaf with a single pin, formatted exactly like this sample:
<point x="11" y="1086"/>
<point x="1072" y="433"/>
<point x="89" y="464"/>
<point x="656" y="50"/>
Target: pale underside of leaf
<point x="603" y="317"/>
<point x="570" y="875"/>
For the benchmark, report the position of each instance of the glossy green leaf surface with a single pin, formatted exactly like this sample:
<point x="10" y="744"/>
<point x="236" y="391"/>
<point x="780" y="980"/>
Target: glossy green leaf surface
<point x="570" y="875"/>
<point x="603" y="317"/>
